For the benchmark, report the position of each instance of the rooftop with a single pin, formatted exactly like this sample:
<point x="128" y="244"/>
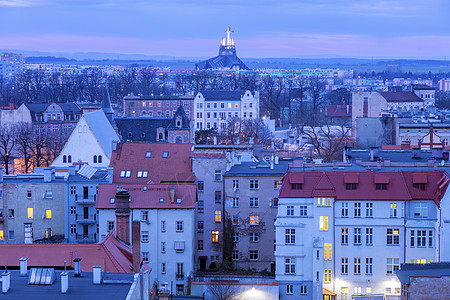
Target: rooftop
<point x="261" y="168"/>
<point x="401" y="97"/>
<point x="216" y="95"/>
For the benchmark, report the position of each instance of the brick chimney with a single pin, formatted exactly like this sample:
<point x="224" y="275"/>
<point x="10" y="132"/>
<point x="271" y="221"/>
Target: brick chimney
<point x="123" y="215"/>
<point x="136" y="240"/>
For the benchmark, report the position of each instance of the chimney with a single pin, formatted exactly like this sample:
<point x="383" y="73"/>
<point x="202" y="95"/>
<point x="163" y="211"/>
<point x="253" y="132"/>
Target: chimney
<point x="373" y="153"/>
<point x="47" y="175"/>
<point x="215" y="140"/>
<point x="64" y="282"/>
<point x="378" y="165"/>
<point x="6" y="281"/>
<point x="23" y="266"/>
<point x="72" y="170"/>
<point x="136" y="244"/>
<point x="277" y="160"/>
<point x="298" y="162"/>
<point x="96" y="274"/>
<point x="172" y="194"/>
<point x="123" y="215"/>
<point x="77" y="266"/>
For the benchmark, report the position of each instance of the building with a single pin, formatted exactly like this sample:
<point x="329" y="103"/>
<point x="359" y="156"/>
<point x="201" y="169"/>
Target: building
<point x="227" y="58"/>
<point x="166" y="213"/>
<point x="32" y="207"/>
<point x="444" y="85"/>
<point x="11" y="65"/>
<point x="81" y="190"/>
<point x="156" y="106"/>
<point x="347" y="228"/>
<point x="251" y="202"/>
<point x="93" y="129"/>
<point x="213" y="108"/>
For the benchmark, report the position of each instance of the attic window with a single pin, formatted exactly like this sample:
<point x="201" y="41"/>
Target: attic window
<point x="143" y="134"/>
<point x="148" y="154"/>
<point x="178" y="200"/>
<point x="421" y="186"/>
<point x="48" y="194"/>
<point x="142" y="174"/>
<point x="112" y="200"/>
<point x="145" y="188"/>
<point x="381" y="186"/>
<point x="165" y="154"/>
<point x="350" y="186"/>
<point x="125" y="173"/>
<point x="296" y="186"/>
<point x="130" y="134"/>
<point x="161" y="200"/>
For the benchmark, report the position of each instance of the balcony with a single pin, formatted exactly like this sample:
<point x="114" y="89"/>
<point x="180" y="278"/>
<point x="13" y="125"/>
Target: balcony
<point x="86" y="219"/>
<point x="86" y="238"/>
<point x="85" y="201"/>
<point x="179" y="276"/>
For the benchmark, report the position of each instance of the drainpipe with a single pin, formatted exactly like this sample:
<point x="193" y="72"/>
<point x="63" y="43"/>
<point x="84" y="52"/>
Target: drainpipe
<point x="334" y="246"/>
<point x="404" y="231"/>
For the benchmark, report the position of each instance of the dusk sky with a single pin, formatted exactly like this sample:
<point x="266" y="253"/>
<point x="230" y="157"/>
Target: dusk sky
<point x="193" y="28"/>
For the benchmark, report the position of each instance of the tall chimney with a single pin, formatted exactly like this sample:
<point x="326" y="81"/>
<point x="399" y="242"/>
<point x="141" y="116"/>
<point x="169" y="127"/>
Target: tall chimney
<point x="172" y="194"/>
<point x="123" y="215"/>
<point x="136" y="240"/>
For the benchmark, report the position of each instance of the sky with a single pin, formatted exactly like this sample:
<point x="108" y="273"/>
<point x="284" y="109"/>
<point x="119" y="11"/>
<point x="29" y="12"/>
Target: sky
<point x="262" y="28"/>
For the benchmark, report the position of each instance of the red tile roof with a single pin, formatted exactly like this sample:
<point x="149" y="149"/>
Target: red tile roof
<point x="111" y="254"/>
<point x="150" y="198"/>
<point x="338" y="111"/>
<point x="132" y="156"/>
<point x="399" y="186"/>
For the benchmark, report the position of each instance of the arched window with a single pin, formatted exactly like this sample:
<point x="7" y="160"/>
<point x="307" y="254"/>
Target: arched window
<point x="95" y="159"/>
<point x="100" y="159"/>
<point x="160" y="136"/>
<point x="69" y="159"/>
<point x="178" y="140"/>
<point x="64" y="159"/>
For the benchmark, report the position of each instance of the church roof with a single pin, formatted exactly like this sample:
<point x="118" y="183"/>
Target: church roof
<point x="102" y="130"/>
<point x="184" y="120"/>
<point x="222" y="62"/>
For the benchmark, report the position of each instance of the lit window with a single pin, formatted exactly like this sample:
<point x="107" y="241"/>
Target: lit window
<point x="1" y="234"/>
<point x="327" y="276"/>
<point x="148" y="154"/>
<point x="344" y="236"/>
<point x="165" y="154"/>
<point x="144" y="236"/>
<point x="112" y="200"/>
<point x="229" y="105"/>
<point x="323" y="222"/>
<point x="235" y="220"/>
<point x="48" y="213"/>
<point x="328" y="251"/>
<point x="276" y="184"/>
<point x="393" y="210"/>
<point x="254" y="220"/>
<point x="218" y="216"/>
<point x="323" y="201"/>
<point x="215" y="236"/>
<point x="30" y="213"/>
<point x="392" y="236"/>
<point x="144" y="215"/>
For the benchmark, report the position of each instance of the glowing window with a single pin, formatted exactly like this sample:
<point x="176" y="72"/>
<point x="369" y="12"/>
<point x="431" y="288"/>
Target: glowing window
<point x="48" y="213"/>
<point x="218" y="216"/>
<point x="30" y="213"/>
<point x="328" y="251"/>
<point x="323" y="223"/>
<point x="215" y="236"/>
<point x="254" y="220"/>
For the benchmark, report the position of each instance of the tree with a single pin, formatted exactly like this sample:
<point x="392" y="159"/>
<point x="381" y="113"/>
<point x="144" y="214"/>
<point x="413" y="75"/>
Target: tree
<point x="224" y="290"/>
<point x="339" y="96"/>
<point x="7" y="143"/>
<point x="23" y="140"/>
<point x="228" y="238"/>
<point x="40" y="143"/>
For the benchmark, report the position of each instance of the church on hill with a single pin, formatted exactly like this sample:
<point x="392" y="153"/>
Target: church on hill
<point x="227" y="58"/>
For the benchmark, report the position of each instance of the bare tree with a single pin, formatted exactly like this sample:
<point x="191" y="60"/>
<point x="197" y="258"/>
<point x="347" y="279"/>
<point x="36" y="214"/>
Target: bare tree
<point x="40" y="143"/>
<point x="7" y="143"/>
<point x="24" y="145"/>
<point x="224" y="290"/>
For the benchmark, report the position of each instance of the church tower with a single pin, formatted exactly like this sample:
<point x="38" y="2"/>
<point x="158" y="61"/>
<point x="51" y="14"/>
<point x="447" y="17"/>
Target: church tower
<point x="106" y="106"/>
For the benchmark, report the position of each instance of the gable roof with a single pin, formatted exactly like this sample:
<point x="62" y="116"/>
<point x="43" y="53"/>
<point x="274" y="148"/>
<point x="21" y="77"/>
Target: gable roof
<point x="222" y="95"/>
<point x="222" y="62"/>
<point x="184" y="120"/>
<point x="140" y="129"/>
<point x="401" y="97"/>
<point x="176" y="168"/>
<point x="102" y="130"/>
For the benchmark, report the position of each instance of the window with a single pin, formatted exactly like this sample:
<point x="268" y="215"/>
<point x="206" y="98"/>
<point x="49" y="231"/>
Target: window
<point x="368" y="290"/>
<point x="327" y="276"/>
<point x="392" y="236"/>
<point x="142" y="174"/>
<point x="218" y="216"/>
<point x="73" y="190"/>
<point x="289" y="236"/>
<point x="163" y="226"/>
<point x="344" y="265"/>
<point x="144" y="236"/>
<point x="420" y="210"/>
<point x="412" y="238"/>
<point x="235" y="220"/>
<point x="421" y="238"/>
<point x="393" y="210"/>
<point x="303" y="290"/>
<point x="200" y="186"/>
<point x="235" y="184"/>
<point x="369" y="236"/>
<point x="290" y="210"/>
<point x="357" y="209"/>
<point x="421" y="186"/>
<point x="163" y="247"/>
<point x="64" y="159"/>
<point x="275" y="202"/>
<point x="48" y="213"/>
<point x="112" y="200"/>
<point x="254" y="237"/>
<point x="344" y="212"/>
<point x="357" y="290"/>
<point x="11" y="213"/>
<point x="28" y="194"/>
<point x="357" y="236"/>
<point x="254" y="254"/>
<point x="148" y="154"/>
<point x="218" y="196"/>
<point x="369" y="261"/>
<point x="303" y="210"/>
<point x="236" y="237"/>
<point x="69" y="159"/>
<point x="344" y="293"/>
<point x="125" y="173"/>
<point x="289" y="265"/>
<point x="344" y="236"/>
<point x="254" y="184"/>
<point x="350" y="186"/>
<point x="73" y="229"/>
<point x="254" y="202"/>
<point x="323" y="201"/>
<point x="369" y="210"/>
<point x="276" y="184"/>
<point x="200" y="226"/>
<point x="110" y="225"/>
<point x="392" y="264"/>
<point x="144" y="215"/>
<point x="30" y="213"/>
<point x="235" y="202"/>
<point x="200" y="206"/>
<point x="179" y="226"/>
<point x="215" y="236"/>
<point x="145" y="257"/>
<point x="289" y="289"/>
<point x="381" y="186"/>
<point x="254" y="220"/>
<point x="95" y="159"/>
<point x="165" y="154"/>
<point x="296" y="186"/>
<point x="328" y="251"/>
<point x="430" y="238"/>
<point x="357" y="266"/>
<point x="235" y="255"/>
<point x="218" y="175"/>
<point x="323" y="223"/>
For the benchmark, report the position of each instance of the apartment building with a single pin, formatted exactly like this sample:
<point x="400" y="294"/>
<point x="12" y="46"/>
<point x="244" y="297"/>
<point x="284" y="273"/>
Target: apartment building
<point x="346" y="229"/>
<point x="156" y="105"/>
<point x="212" y="109"/>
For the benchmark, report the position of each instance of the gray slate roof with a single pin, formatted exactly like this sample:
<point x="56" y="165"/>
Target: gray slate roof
<point x="260" y="168"/>
<point x="401" y="97"/>
<point x="102" y="130"/>
<point x="222" y="95"/>
<point x="222" y="62"/>
<point x="184" y="120"/>
<point x="425" y="270"/>
<point x="140" y="129"/>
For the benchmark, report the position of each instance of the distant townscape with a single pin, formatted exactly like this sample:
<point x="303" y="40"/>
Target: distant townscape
<point x="223" y="182"/>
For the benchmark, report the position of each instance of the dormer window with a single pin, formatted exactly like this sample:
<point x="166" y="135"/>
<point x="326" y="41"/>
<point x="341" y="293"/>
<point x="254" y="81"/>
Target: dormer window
<point x="178" y="200"/>
<point x="165" y="154"/>
<point x="420" y="186"/>
<point x="112" y="200"/>
<point x="381" y="186"/>
<point x="148" y="154"/>
<point x="296" y="186"/>
<point x="350" y="186"/>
